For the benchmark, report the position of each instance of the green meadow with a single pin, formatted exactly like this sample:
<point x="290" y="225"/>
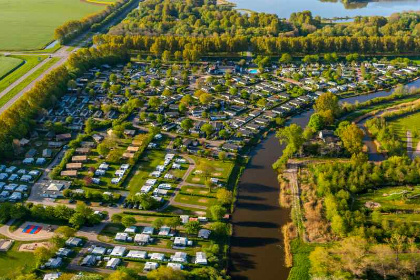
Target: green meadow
<point x="30" y="24"/>
<point x="30" y="62"/>
<point x="8" y="64"/>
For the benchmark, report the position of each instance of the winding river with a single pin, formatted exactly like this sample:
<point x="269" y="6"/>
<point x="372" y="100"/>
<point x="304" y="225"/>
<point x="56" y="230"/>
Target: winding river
<point x="256" y="244"/>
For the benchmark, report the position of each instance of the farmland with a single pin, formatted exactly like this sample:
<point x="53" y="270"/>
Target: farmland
<point x="30" y="24"/>
<point x="7" y="65"/>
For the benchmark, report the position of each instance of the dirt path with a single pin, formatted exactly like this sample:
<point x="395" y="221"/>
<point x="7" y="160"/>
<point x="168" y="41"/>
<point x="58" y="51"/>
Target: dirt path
<point x="409" y="144"/>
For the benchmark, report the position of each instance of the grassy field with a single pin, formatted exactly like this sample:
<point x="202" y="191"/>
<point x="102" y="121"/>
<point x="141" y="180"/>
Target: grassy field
<point x="4" y="99"/>
<point x="402" y="198"/>
<point x="147" y="164"/>
<point x="195" y="200"/>
<point x="30" y="24"/>
<point x="14" y="263"/>
<point x="411" y="122"/>
<point x="8" y="64"/>
<point x="30" y="62"/>
<point x="222" y="170"/>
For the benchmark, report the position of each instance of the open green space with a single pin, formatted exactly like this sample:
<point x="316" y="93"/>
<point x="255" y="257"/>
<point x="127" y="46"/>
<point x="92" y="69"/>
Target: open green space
<point x="13" y="262"/>
<point x="197" y="191"/>
<point x="401" y="198"/>
<point x="4" y="99"/>
<point x="402" y="125"/>
<point x="30" y="62"/>
<point x="30" y="24"/>
<point x="195" y="200"/>
<point x="146" y="165"/>
<point x="221" y="170"/>
<point x="8" y="65"/>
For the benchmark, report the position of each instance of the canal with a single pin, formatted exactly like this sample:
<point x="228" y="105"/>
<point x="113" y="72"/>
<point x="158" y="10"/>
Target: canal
<point x="256" y="244"/>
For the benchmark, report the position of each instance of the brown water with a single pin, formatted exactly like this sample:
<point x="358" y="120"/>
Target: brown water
<point x="256" y="244"/>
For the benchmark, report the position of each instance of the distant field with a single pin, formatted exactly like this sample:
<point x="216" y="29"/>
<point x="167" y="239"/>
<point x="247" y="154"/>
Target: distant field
<point x="30" y="24"/>
<point x="30" y="62"/>
<point x="7" y="64"/>
<point x="4" y="99"/>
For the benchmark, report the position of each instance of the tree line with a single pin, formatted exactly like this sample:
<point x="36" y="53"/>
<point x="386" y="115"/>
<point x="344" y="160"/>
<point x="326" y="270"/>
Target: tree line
<point x="81" y="215"/>
<point x="191" y="48"/>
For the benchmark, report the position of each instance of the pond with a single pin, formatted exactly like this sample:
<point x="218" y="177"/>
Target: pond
<point x="330" y="8"/>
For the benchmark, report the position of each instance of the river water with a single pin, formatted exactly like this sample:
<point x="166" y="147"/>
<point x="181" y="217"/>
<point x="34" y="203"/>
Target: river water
<point x="256" y="244"/>
<point x="330" y="8"/>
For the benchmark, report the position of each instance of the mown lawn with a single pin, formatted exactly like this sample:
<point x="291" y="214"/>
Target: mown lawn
<point x="13" y="262"/>
<point x="30" y="62"/>
<point x="146" y="165"/>
<point x="197" y="190"/>
<point x="222" y="170"/>
<point x="403" y="198"/>
<point x="7" y="64"/>
<point x="195" y="200"/>
<point x="30" y="24"/>
<point x="411" y="122"/>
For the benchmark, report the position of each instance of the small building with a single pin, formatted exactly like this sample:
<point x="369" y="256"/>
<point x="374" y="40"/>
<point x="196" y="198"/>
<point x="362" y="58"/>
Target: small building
<point x="180" y="241"/>
<point x="142" y="239"/>
<point x="99" y="251"/>
<point x="5" y="244"/>
<point x="204" y="233"/>
<point x="132" y="229"/>
<point x="74" y="242"/>
<point x="149" y="266"/>
<point x="89" y="260"/>
<point x="200" y="258"/>
<point x="135" y="254"/>
<point x="52" y="276"/>
<point x="164" y="231"/>
<point x="113" y="263"/>
<point x="179" y="257"/>
<point x="148" y="230"/>
<point x="157" y="256"/>
<point x="54" y="262"/>
<point x="118" y="251"/>
<point x="121" y="237"/>
<point x="64" y="252"/>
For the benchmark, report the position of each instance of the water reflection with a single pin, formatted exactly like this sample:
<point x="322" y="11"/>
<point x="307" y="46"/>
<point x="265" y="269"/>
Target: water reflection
<point x="330" y="8"/>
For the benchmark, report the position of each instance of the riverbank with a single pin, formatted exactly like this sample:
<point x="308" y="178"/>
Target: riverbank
<point x="257" y="250"/>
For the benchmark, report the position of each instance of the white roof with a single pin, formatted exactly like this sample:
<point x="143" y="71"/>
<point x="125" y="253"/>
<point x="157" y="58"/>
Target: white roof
<point x="200" y="258"/>
<point x="135" y="254"/>
<point x="118" y="251"/>
<point x="179" y="257"/>
<point x="141" y="237"/>
<point x="150" y="182"/>
<point x="157" y="256"/>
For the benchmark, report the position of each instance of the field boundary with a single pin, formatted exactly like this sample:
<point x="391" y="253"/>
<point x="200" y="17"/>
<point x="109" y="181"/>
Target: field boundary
<point x="12" y="70"/>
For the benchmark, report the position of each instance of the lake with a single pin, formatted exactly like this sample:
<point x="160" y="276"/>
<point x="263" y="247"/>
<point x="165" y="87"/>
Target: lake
<point x="329" y="9"/>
